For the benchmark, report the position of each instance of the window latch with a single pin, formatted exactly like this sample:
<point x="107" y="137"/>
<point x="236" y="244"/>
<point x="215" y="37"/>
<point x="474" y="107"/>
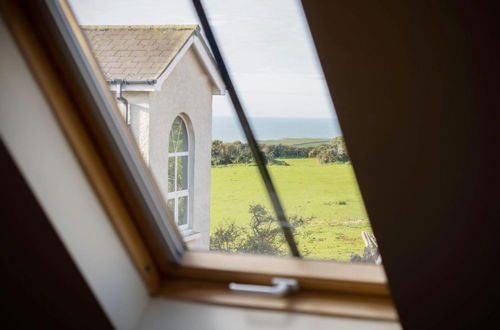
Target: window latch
<point x="281" y="287"/>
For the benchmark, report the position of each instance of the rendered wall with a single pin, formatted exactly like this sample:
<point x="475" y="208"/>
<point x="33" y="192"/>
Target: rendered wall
<point x="186" y="92"/>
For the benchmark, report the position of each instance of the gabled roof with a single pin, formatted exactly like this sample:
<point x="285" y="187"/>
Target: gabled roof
<point x="145" y="55"/>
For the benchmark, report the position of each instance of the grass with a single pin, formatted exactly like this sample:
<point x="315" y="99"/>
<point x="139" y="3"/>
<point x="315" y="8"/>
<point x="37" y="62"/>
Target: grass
<point x="299" y="142"/>
<point x="329" y="193"/>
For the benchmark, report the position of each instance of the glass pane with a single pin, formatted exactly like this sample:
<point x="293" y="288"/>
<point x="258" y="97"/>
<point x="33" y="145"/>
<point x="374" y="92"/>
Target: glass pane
<point x="178" y="139"/>
<point x="324" y="204"/>
<point x="171" y="174"/>
<point x="182" y="212"/>
<point x="281" y="84"/>
<point x="182" y="173"/>
<point x="171" y="205"/>
<point x="289" y="108"/>
<point x="242" y="220"/>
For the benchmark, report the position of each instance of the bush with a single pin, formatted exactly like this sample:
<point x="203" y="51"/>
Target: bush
<point x="225" y="153"/>
<point x="262" y="236"/>
<point x="331" y="153"/>
<point x="230" y="153"/>
<point x="283" y="151"/>
<point x="227" y="239"/>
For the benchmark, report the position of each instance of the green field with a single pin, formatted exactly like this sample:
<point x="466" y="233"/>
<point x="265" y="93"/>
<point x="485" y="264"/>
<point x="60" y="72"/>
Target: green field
<point x="329" y="193"/>
<point x="299" y="142"/>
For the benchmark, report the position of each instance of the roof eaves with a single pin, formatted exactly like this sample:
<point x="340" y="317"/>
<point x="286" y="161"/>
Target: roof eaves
<point x="177" y="53"/>
<point x="132" y="82"/>
<point x="140" y="27"/>
<point x="204" y="43"/>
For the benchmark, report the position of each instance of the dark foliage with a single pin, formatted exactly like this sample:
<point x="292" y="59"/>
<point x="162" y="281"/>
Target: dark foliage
<point x="262" y="236"/>
<point x="230" y="153"/>
<point x="225" y="153"/>
<point x="335" y="152"/>
<point x="283" y="151"/>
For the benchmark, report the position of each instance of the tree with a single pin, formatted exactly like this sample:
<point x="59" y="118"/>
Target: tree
<point x="224" y="153"/>
<point x="262" y="236"/>
<point x="333" y="152"/>
<point x="217" y="152"/>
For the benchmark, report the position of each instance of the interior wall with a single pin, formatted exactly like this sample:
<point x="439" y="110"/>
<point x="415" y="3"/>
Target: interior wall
<point x="38" y="146"/>
<point x="40" y="285"/>
<point x="415" y="87"/>
<point x="170" y="314"/>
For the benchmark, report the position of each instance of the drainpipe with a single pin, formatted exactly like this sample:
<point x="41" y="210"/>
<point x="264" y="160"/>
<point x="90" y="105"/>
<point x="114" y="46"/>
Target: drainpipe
<point x="122" y="99"/>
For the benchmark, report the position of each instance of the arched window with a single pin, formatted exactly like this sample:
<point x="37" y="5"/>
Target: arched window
<point x="178" y="172"/>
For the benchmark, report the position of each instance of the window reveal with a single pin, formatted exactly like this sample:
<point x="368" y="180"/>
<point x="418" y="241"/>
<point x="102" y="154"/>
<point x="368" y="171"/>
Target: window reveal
<point x="178" y="169"/>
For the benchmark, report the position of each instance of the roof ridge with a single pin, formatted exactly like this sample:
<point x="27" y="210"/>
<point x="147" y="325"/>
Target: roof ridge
<point x="141" y="27"/>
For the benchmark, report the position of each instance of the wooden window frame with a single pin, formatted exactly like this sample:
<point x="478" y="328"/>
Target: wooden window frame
<point x="327" y="288"/>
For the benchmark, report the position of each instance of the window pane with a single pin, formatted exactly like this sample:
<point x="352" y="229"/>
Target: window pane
<point x="171" y="205"/>
<point x="182" y="173"/>
<point x="171" y="174"/>
<point x="178" y="140"/>
<point x="281" y="84"/>
<point x="182" y="212"/>
<point x="241" y="217"/>
<point x="289" y="108"/>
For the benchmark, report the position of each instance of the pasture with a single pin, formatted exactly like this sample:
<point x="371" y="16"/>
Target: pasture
<point x="299" y="142"/>
<point x="328" y="193"/>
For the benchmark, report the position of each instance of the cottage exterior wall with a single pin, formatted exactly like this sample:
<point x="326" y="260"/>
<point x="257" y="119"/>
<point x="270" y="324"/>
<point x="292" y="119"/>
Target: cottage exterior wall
<point x="139" y="119"/>
<point x="187" y="92"/>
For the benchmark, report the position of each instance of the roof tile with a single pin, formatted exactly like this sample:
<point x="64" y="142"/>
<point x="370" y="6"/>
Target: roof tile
<point x="136" y="52"/>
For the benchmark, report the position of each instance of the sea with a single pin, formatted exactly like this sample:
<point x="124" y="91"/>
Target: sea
<point x="228" y="129"/>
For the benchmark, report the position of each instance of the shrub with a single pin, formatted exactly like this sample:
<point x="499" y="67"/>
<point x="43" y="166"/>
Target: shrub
<point x="331" y="153"/>
<point x="227" y="238"/>
<point x="262" y="236"/>
<point x="224" y="153"/>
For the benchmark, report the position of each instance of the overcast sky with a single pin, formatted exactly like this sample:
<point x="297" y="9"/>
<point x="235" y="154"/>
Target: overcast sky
<point x="266" y="44"/>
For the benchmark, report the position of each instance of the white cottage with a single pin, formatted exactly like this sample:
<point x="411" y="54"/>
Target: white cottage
<point x="164" y="78"/>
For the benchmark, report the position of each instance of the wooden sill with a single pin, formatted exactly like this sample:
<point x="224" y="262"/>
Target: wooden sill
<point x="305" y="301"/>
<point x="326" y="288"/>
<point x="312" y="274"/>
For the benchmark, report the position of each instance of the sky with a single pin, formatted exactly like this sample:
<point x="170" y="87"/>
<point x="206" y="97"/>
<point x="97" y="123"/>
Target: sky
<point x="266" y="45"/>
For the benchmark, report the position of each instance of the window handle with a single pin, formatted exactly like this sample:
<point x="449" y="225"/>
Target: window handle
<point x="281" y="287"/>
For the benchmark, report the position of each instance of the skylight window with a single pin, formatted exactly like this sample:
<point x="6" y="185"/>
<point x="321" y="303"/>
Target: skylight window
<point x="258" y="168"/>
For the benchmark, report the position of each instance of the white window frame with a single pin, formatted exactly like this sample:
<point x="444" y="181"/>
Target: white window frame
<point x="181" y="193"/>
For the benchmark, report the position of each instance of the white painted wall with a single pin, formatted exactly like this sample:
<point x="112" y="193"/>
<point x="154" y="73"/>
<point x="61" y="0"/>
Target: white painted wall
<point x="189" y="316"/>
<point x="187" y="92"/>
<point x="37" y="144"/>
<point x="140" y="116"/>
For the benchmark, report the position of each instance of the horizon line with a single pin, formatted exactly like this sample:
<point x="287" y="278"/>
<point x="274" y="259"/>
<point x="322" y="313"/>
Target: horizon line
<point x="249" y="116"/>
<point x="286" y="138"/>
